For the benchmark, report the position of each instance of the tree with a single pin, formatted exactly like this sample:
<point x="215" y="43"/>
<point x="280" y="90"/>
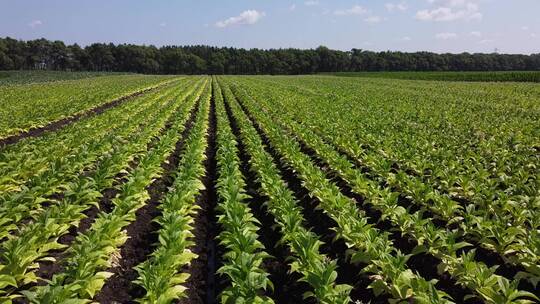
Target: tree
<point x="201" y="59"/>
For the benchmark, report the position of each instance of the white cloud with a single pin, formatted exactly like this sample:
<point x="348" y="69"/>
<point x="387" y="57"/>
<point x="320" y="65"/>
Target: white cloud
<point x="402" y="6"/>
<point x="446" y="36"/>
<point x="524" y="28"/>
<point x="475" y="33"/>
<point x="163" y="24"/>
<point x="533" y="35"/>
<point x="355" y="10"/>
<point x="450" y="10"/>
<point x="311" y="3"/>
<point x="452" y="3"/>
<point x="292" y="7"/>
<point x="246" y="17"/>
<point x="484" y="41"/>
<point x="35" y="23"/>
<point x="373" y="19"/>
<point x="405" y="39"/>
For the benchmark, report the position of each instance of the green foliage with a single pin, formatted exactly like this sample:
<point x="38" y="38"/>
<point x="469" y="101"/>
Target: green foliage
<point x="90" y="254"/>
<point x="28" y="77"/>
<point x="35" y="105"/>
<point x="161" y="275"/>
<point x="510" y="76"/>
<point x="450" y="167"/>
<point x="438" y="242"/>
<point x="315" y="268"/>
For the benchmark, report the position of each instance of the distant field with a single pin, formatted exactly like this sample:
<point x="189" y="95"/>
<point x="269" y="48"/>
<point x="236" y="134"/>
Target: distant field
<point x="34" y="104"/>
<point x="526" y="76"/>
<point x="26" y="77"/>
<point x="270" y="190"/>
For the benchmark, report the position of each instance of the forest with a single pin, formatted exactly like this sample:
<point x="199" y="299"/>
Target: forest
<point x="43" y="54"/>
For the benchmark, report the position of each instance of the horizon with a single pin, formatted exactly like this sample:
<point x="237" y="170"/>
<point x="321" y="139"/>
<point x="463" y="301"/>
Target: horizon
<point x="438" y="26"/>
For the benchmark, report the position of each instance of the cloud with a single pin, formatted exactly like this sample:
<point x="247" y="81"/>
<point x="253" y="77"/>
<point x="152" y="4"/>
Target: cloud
<point x="163" y="24"/>
<point x="405" y="39"/>
<point x="311" y="3"/>
<point x="450" y="10"/>
<point x="292" y="7"/>
<point x="402" y="6"/>
<point x="246" y="17"/>
<point x="475" y="33"/>
<point x="373" y="19"/>
<point x="484" y="41"/>
<point x="453" y="3"/>
<point x="35" y="23"/>
<point x="355" y="10"/>
<point x="446" y="36"/>
<point x="524" y="28"/>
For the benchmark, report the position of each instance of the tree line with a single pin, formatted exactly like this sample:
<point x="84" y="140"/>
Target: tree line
<point x="200" y="59"/>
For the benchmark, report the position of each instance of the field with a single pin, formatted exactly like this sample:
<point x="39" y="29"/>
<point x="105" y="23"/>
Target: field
<point x="269" y="189"/>
<point x="25" y="77"/>
<point x="507" y="76"/>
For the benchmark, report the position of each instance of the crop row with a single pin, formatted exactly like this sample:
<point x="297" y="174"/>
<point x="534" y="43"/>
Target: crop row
<point x="43" y="186"/>
<point x="34" y="241"/>
<point x="31" y="106"/>
<point x="274" y="190"/>
<point x="443" y="244"/>
<point x="161" y="275"/>
<point x="481" y="223"/>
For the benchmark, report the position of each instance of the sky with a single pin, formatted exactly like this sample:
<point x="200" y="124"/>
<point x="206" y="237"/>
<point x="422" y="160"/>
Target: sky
<point x="505" y="26"/>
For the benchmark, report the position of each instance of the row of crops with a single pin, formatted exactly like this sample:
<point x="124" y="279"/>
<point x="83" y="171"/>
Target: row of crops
<point x="29" y="106"/>
<point x="267" y="189"/>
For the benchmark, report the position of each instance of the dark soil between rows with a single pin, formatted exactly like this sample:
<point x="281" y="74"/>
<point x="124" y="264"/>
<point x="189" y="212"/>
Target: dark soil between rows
<point x="203" y="285"/>
<point x="424" y="264"/>
<point x="47" y="269"/>
<point x="142" y="232"/>
<point x="287" y="288"/>
<point x="483" y="255"/>
<point x="322" y="224"/>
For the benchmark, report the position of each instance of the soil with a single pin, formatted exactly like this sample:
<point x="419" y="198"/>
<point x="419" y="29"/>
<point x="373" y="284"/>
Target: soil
<point x="48" y="269"/>
<point x="425" y="264"/>
<point x="321" y="224"/>
<point x="287" y="288"/>
<point x="203" y="284"/>
<point x="318" y="220"/>
<point x="143" y="232"/>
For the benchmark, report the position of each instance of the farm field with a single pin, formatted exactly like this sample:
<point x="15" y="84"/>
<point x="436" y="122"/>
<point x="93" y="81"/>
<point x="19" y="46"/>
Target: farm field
<point x="269" y="189"/>
<point x="29" y="106"/>
<point x="499" y="76"/>
<point x="26" y="77"/>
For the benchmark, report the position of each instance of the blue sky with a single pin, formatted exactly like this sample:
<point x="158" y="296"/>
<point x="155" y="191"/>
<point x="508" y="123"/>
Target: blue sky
<point x="510" y="26"/>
